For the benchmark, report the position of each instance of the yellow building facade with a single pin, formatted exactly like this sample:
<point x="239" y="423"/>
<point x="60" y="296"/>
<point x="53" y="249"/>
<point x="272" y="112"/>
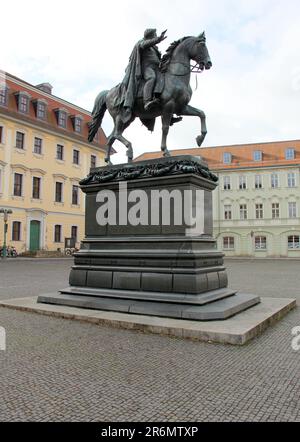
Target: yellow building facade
<point x="43" y="156"/>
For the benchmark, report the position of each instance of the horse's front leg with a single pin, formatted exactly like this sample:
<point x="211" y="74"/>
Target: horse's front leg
<point x="194" y="112"/>
<point x="166" y="121"/>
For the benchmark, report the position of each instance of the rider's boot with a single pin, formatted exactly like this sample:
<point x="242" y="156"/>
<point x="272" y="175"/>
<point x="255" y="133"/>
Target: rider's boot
<point x="175" y="120"/>
<point x="150" y="104"/>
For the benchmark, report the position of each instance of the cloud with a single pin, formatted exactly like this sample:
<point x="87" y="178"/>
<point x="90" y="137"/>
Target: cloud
<point x="251" y="94"/>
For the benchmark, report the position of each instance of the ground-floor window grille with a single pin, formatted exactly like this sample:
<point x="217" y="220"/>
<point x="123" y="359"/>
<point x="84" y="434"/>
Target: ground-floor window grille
<point x="294" y="242"/>
<point x="260" y="243"/>
<point x="57" y="233"/>
<point x="228" y="242"/>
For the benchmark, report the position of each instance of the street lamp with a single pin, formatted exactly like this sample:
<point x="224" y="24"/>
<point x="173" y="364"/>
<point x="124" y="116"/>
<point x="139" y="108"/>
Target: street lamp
<point x="5" y="212"/>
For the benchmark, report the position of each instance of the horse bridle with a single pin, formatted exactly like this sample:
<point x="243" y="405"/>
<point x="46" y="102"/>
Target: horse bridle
<point x="195" y="69"/>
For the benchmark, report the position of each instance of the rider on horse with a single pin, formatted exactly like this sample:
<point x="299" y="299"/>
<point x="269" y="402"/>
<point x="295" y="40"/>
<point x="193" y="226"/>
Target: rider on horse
<point x="151" y="58"/>
<point x="125" y="101"/>
<point x="144" y="64"/>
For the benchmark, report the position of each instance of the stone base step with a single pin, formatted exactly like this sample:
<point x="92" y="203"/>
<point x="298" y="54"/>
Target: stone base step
<point x="179" y="298"/>
<point x="218" y="310"/>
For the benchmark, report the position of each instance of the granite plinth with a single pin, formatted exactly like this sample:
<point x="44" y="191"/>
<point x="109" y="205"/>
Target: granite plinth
<point x="164" y="262"/>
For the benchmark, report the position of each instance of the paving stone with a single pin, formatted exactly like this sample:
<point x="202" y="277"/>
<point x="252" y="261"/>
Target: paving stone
<point x="63" y="370"/>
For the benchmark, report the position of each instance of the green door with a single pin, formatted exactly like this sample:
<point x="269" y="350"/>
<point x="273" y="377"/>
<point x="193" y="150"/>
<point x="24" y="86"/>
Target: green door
<point x="35" y="235"/>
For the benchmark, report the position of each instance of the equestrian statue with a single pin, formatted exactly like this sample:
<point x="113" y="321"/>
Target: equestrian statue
<point x="153" y="86"/>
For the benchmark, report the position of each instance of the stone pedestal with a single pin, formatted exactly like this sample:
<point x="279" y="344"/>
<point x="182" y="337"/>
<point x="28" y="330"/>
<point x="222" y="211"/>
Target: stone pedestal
<point x="148" y="246"/>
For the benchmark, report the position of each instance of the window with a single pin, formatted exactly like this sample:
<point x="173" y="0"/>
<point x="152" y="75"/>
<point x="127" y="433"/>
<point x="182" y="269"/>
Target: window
<point x="226" y="158"/>
<point x="243" y="211"/>
<point x="58" y="192"/>
<point x="77" y="124"/>
<point x="3" y="96"/>
<point x="75" y="156"/>
<point x="57" y="233"/>
<point x="242" y="182"/>
<point x="260" y="243"/>
<point x="226" y="183"/>
<point x="36" y="187"/>
<point x="228" y="242"/>
<point x="275" y="210"/>
<point x="20" y="137"/>
<point x="227" y="212"/>
<point x="1" y="134"/>
<point x="16" y="231"/>
<point x="259" y="211"/>
<point x="74" y="231"/>
<point x="257" y="155"/>
<point x="38" y="143"/>
<point x="93" y="161"/>
<point x="41" y="110"/>
<point x="75" y="195"/>
<point x="23" y="104"/>
<point x="290" y="154"/>
<point x="258" y="182"/>
<point x="18" y="184"/>
<point x="62" y="119"/>
<point x="294" y="242"/>
<point x="292" y="210"/>
<point x="291" y="179"/>
<point x="59" y="152"/>
<point x="274" y="180"/>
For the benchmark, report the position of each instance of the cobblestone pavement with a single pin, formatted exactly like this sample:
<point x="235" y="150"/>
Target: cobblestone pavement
<point x="63" y="370"/>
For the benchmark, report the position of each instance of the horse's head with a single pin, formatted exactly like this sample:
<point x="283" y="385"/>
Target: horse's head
<point x="199" y="52"/>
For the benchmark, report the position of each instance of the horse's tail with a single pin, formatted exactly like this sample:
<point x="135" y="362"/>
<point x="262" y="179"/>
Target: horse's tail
<point x="97" y="114"/>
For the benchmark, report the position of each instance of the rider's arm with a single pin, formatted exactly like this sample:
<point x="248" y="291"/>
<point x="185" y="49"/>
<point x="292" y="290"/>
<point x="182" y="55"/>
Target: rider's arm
<point x="145" y="44"/>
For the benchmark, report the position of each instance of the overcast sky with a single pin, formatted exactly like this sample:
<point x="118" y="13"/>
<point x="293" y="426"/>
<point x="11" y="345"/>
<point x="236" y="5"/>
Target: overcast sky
<point x="251" y="94"/>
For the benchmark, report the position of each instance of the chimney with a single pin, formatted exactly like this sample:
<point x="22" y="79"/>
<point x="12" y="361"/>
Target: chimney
<point x="45" y="87"/>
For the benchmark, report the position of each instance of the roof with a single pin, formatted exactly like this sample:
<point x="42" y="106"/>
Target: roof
<point x="273" y="154"/>
<point x="16" y="85"/>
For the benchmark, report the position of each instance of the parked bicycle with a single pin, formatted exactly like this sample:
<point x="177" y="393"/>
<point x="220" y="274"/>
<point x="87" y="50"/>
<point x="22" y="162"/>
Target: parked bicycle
<point x="11" y="252"/>
<point x="69" y="251"/>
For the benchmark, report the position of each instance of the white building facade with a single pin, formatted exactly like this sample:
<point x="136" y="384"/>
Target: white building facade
<point x="256" y="207"/>
<point x="256" y="212"/>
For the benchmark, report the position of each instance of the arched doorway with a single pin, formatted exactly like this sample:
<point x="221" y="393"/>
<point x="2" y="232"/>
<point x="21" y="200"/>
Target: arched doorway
<point x="35" y="234"/>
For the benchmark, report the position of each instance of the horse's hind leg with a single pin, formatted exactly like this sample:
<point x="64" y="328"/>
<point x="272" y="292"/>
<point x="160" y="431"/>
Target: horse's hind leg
<point x="111" y="139"/>
<point x="120" y="127"/>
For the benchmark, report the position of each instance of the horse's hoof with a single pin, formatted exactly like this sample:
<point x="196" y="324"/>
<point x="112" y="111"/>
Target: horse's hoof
<point x="199" y="140"/>
<point x="129" y="160"/>
<point x="166" y="153"/>
<point x="108" y="162"/>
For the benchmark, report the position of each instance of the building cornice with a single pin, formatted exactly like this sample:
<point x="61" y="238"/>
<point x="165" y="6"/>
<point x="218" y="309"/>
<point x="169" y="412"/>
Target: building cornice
<point x="254" y="168"/>
<point x="45" y="94"/>
<point x="49" y="212"/>
<point x="60" y="175"/>
<point x="36" y="170"/>
<point x="20" y="166"/>
<point x="41" y="128"/>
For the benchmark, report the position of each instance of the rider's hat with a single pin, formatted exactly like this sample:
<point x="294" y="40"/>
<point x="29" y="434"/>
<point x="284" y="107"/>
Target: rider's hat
<point x="150" y="33"/>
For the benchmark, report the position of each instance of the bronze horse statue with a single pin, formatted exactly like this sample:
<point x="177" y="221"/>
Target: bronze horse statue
<point x="176" y="69"/>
